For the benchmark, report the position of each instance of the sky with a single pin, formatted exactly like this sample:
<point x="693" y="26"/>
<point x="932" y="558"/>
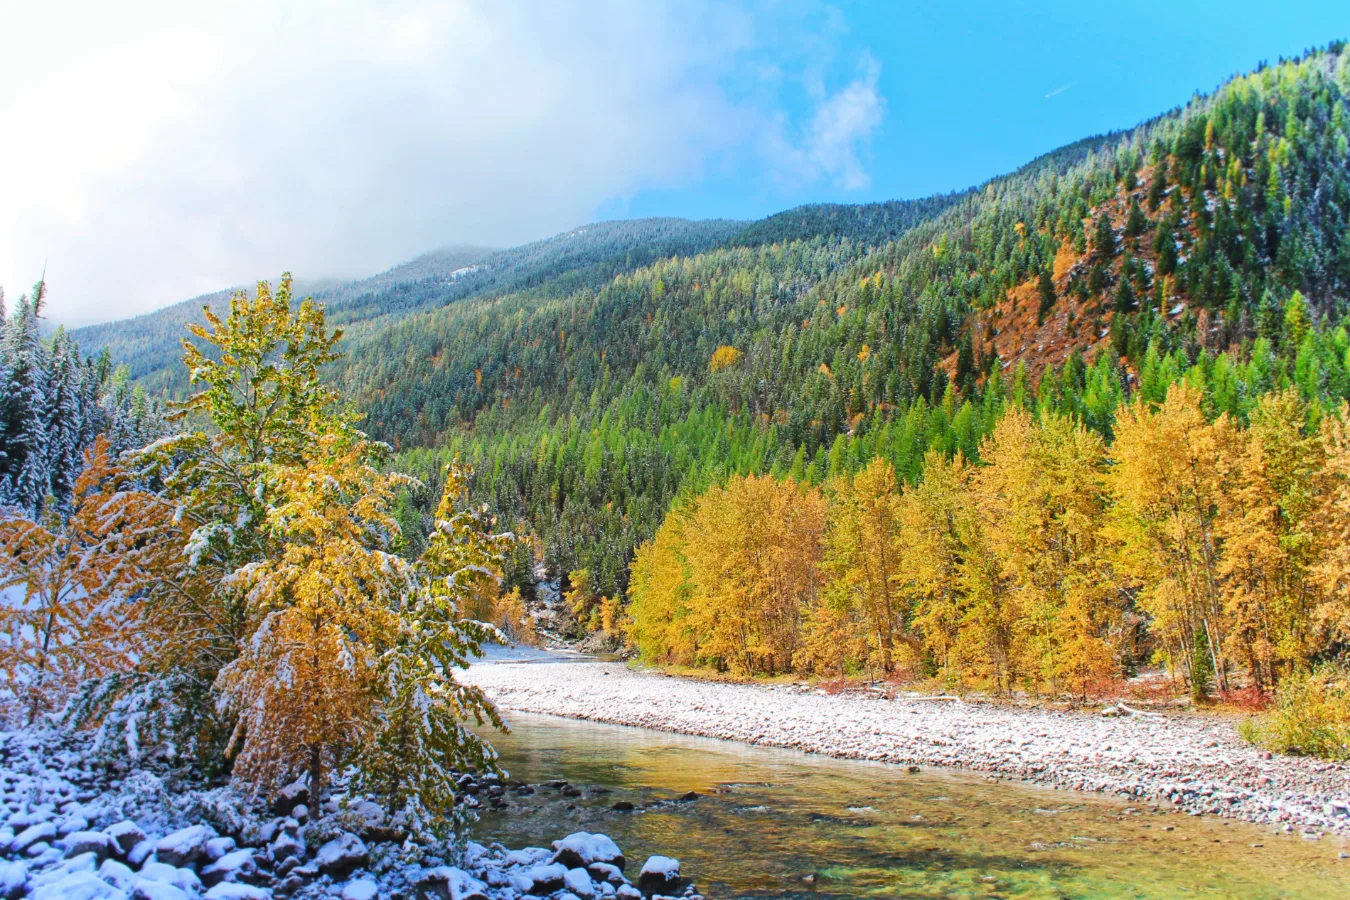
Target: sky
<point x="154" y="151"/>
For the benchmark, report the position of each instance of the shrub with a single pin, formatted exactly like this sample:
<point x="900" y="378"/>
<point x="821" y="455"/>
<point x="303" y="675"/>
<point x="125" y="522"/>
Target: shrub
<point x="1311" y="715"/>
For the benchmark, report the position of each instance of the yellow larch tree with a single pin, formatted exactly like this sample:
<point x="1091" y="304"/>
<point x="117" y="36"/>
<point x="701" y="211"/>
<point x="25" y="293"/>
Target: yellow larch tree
<point x="1165" y="489"/>
<point x="1333" y="526"/>
<point x="753" y="548"/>
<point x="1041" y="507"/>
<point x="936" y="518"/>
<point x="864" y="559"/>
<point x="71" y="613"/>
<point x="323" y="608"/>
<point x="1268" y="521"/>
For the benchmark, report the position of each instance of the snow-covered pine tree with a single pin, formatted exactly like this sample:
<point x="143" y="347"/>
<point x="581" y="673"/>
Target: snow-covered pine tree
<point x="54" y="402"/>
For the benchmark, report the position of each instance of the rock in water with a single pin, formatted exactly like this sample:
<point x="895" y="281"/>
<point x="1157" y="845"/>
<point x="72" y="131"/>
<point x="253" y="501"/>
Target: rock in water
<point x="660" y="875"/>
<point x="580" y="849"/>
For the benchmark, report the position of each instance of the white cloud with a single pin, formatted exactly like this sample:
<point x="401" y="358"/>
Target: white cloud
<point x="155" y="150"/>
<point x="830" y="145"/>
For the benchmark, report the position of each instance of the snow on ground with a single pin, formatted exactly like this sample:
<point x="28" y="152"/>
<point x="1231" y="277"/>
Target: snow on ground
<point x="75" y="828"/>
<point x="1196" y="762"/>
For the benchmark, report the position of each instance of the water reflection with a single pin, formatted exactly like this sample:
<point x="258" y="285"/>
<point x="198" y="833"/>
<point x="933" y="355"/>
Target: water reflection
<point x="772" y="823"/>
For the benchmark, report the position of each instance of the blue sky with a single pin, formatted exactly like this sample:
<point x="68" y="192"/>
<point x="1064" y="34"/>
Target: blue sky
<point x="158" y="150"/>
<point x="975" y="89"/>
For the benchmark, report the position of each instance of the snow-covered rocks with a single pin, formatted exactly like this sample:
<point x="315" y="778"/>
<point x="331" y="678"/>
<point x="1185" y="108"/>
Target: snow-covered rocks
<point x="341" y="855"/>
<point x="13" y="880"/>
<point x="41" y="833"/>
<point x="126" y="834"/>
<point x="660" y="875"/>
<point x="450" y="883"/>
<point x="289" y="797"/>
<point x="539" y="880"/>
<point x="79" y="886"/>
<point x="236" y="866"/>
<point x="96" y="842"/>
<point x="360" y="889"/>
<point x="230" y="891"/>
<point x="581" y="849"/>
<point x="185" y="846"/>
<point x="76" y="831"/>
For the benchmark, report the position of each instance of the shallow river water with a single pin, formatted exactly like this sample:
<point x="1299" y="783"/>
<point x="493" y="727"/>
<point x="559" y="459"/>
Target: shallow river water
<point x="775" y="823"/>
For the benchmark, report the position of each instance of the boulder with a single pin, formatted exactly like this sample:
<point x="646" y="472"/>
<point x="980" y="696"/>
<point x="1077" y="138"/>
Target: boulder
<point x="237" y="865"/>
<point x="606" y="872"/>
<point x="218" y="847"/>
<point x="580" y="849"/>
<point x="184" y="846"/>
<point x="157" y="890"/>
<point x="539" y="880"/>
<point x="661" y="875"/>
<point x="41" y="832"/>
<point x="13" y="880"/>
<point x="79" y="886"/>
<point x="228" y="890"/>
<point x="141" y="852"/>
<point x="185" y="880"/>
<point x="126" y="834"/>
<point x="286" y="845"/>
<point x="578" y="881"/>
<point x="449" y="883"/>
<point x="96" y="842"/>
<point x="117" y="874"/>
<point x="341" y="855"/>
<point x="360" y="889"/>
<point x="289" y="797"/>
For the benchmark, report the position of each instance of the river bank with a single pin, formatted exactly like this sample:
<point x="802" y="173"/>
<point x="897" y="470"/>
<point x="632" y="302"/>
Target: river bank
<point x="1196" y="763"/>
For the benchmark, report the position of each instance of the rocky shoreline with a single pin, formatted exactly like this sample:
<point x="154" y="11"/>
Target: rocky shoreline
<point x="77" y="828"/>
<point x="1196" y="763"/>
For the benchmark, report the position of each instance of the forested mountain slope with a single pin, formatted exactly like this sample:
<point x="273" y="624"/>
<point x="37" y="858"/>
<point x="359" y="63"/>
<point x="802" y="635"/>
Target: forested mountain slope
<point x="595" y="377"/>
<point x="585" y="256"/>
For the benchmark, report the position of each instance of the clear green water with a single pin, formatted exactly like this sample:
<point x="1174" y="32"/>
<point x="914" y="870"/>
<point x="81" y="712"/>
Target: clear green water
<point x="767" y="818"/>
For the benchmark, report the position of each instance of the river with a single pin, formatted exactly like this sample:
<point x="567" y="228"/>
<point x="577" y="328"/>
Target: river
<point x="777" y="823"/>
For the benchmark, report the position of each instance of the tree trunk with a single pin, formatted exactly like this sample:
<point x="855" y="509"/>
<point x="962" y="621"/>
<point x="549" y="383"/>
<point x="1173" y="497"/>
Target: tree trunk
<point x="315" y="780"/>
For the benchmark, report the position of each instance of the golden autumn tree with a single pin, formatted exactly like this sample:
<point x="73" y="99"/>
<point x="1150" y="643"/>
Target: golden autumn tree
<point x="260" y="408"/>
<point x="422" y="740"/>
<point x="938" y="519"/>
<point x="864" y="559"/>
<point x="659" y="594"/>
<point x="1269" y="520"/>
<point x="1333" y="525"/>
<point x="1165" y="486"/>
<point x="322" y="607"/>
<point x="753" y="551"/>
<point x="71" y="583"/>
<point x="283" y="610"/>
<point x="1041" y="514"/>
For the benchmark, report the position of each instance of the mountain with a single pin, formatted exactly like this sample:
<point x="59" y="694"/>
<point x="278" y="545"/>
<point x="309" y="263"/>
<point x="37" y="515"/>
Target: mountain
<point x="597" y="377"/>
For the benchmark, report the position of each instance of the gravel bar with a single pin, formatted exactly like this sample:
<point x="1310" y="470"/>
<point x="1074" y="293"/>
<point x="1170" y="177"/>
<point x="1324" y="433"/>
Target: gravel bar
<point x="1197" y="763"/>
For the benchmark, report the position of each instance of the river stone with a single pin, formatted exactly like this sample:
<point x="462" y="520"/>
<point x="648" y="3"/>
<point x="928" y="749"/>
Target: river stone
<point x="289" y="797"/>
<point x="582" y="848"/>
<point x="539" y="880"/>
<point x="449" y="883"/>
<point x="96" y="842"/>
<point x="185" y="846"/>
<point x="33" y="834"/>
<point x="127" y="834"/>
<point x="342" y="854"/>
<point x="660" y="875"/>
